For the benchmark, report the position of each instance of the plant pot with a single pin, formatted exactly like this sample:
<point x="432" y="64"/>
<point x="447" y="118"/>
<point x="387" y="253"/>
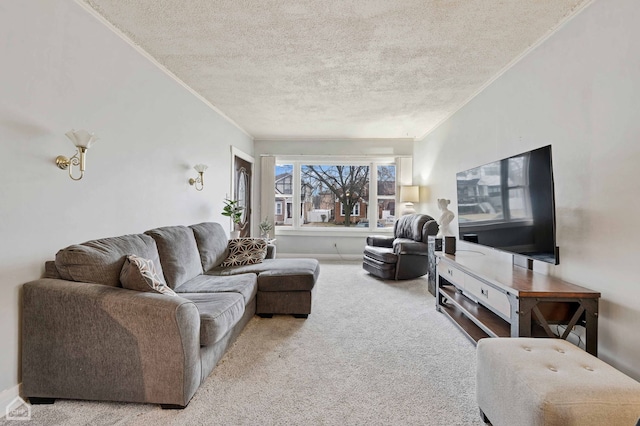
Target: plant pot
<point x="234" y="234"/>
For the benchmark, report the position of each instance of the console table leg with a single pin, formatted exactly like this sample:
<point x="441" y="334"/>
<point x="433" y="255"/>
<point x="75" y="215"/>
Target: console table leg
<point x="591" y="325"/>
<point x="521" y="324"/>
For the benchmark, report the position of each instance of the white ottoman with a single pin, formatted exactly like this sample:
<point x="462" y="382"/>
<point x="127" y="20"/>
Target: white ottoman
<point x="527" y="381"/>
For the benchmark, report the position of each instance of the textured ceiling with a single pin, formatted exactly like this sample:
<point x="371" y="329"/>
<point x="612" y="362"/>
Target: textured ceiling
<point x="335" y="68"/>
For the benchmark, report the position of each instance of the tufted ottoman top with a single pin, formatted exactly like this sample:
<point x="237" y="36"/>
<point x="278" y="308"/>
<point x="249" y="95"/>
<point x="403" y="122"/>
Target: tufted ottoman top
<point x="529" y="381"/>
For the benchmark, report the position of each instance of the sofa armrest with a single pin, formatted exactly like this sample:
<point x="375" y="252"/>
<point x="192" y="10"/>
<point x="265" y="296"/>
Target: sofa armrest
<point x="91" y="341"/>
<point x="406" y="246"/>
<point x="380" y="241"/>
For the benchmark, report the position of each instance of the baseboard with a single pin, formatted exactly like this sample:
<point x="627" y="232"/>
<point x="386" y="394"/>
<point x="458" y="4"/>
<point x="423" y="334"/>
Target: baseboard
<point x="322" y="256"/>
<point x="7" y="396"/>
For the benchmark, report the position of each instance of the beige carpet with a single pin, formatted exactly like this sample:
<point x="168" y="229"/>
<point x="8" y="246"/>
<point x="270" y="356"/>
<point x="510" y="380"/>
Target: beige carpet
<point x="371" y="353"/>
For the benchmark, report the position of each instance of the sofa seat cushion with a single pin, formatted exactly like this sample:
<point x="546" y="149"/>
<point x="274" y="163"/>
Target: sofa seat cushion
<point x="212" y="243"/>
<point x="244" y="284"/>
<point x="219" y="313"/>
<point x="310" y="265"/>
<point x="100" y="261"/>
<point x="381" y="254"/>
<point x="178" y="254"/>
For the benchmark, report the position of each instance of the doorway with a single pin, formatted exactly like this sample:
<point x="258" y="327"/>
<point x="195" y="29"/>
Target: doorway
<point x="242" y="185"/>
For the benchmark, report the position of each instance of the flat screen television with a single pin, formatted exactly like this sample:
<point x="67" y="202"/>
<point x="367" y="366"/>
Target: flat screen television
<point x="509" y="205"/>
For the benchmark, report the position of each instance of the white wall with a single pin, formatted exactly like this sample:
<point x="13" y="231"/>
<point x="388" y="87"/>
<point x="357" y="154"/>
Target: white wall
<point x="63" y="69"/>
<point x="346" y="244"/>
<point x="580" y="92"/>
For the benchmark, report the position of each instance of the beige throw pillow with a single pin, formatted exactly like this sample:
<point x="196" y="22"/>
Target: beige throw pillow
<point x="245" y="251"/>
<point x="139" y="274"/>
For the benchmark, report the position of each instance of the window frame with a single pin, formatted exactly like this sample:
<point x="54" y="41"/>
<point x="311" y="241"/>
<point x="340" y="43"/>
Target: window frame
<point x="297" y="162"/>
<point x="355" y="211"/>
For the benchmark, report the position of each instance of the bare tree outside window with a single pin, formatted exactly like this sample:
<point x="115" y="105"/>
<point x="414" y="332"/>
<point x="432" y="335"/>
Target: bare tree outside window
<point x="339" y="192"/>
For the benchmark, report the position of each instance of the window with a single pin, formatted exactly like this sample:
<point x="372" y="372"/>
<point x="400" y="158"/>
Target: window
<point x="326" y="195"/>
<point x="284" y="194"/>
<point x="355" y="209"/>
<point x="386" y="184"/>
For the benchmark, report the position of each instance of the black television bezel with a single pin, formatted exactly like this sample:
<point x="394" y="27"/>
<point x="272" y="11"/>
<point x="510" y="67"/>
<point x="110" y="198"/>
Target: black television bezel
<point x="556" y="251"/>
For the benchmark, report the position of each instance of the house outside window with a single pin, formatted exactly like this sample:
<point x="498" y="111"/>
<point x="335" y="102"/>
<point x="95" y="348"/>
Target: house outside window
<point x="284" y="195"/>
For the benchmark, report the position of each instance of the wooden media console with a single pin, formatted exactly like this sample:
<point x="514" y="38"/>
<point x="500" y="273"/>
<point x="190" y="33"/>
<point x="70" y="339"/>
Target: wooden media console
<point x="486" y="297"/>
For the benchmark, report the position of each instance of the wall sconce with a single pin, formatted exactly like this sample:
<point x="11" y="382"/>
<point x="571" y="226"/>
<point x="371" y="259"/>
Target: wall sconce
<point x="198" y="181"/>
<point x="82" y="140"/>
<point x="409" y="194"/>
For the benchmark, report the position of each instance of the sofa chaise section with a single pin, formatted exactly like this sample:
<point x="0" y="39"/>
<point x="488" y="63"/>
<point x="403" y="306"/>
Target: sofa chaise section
<point x="285" y="286"/>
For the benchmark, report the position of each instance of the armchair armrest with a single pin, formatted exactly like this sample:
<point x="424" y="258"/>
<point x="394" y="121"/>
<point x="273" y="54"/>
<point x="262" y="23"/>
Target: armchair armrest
<point x="406" y="246"/>
<point x="91" y="341"/>
<point x="429" y="228"/>
<point x="380" y="240"/>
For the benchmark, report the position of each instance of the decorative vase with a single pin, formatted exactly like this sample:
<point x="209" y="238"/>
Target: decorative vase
<point x="236" y="231"/>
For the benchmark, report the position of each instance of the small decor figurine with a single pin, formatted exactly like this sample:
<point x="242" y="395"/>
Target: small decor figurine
<point x="265" y="227"/>
<point x="233" y="210"/>
<point x="445" y="218"/>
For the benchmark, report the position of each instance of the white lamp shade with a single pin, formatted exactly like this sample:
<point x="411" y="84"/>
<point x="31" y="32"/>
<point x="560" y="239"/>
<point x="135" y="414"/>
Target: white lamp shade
<point x="81" y="138"/>
<point x="409" y="194"/>
<point x="200" y="168"/>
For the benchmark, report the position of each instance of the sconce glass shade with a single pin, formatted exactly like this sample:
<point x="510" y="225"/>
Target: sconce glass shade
<point x="200" y="168"/>
<point x="409" y="194"/>
<point x="81" y="138"/>
<point x="198" y="182"/>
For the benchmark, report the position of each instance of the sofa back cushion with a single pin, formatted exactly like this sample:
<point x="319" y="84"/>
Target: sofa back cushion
<point x="178" y="254"/>
<point x="100" y="261"/>
<point x="212" y="244"/>
<point x="411" y="227"/>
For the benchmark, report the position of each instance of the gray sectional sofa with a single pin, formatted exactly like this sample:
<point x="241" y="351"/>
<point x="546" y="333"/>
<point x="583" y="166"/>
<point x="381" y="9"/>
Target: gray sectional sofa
<point x="84" y="336"/>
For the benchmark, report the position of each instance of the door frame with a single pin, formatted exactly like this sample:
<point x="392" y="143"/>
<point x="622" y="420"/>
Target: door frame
<point x="236" y="152"/>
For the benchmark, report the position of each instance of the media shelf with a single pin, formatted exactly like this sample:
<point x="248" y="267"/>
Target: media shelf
<point x="488" y="298"/>
<point x="487" y="323"/>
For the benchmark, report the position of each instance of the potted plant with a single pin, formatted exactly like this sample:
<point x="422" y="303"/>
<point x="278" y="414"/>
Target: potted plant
<point x="233" y="210"/>
<point x="265" y="227"/>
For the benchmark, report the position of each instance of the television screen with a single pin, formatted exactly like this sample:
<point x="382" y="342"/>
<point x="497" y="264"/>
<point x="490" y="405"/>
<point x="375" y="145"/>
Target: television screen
<point x="509" y="205"/>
